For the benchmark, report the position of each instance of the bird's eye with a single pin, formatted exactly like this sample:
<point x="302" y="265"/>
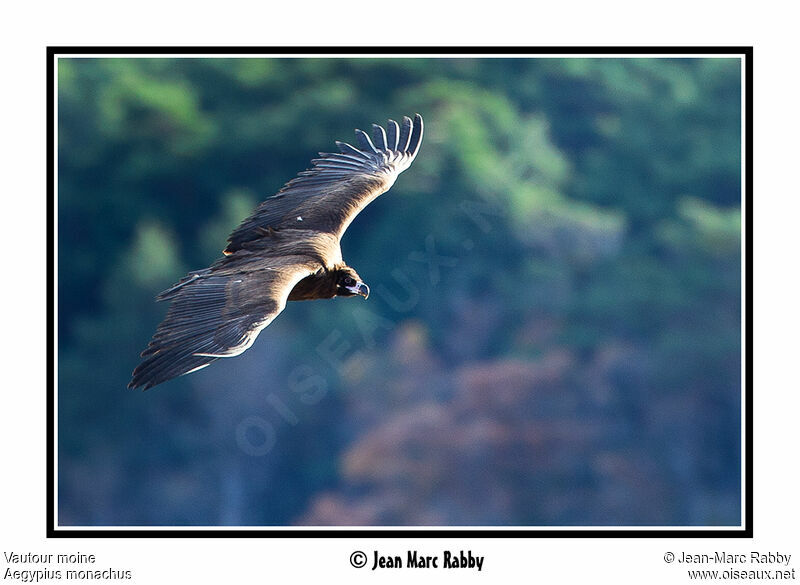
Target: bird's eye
<point x="349" y="281"/>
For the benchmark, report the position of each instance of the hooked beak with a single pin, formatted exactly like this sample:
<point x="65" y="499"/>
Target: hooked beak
<point x="359" y="288"/>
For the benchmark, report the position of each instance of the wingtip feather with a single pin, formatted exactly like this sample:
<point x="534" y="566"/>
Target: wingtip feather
<point x="365" y="142"/>
<point x="379" y="137"/>
<point x="346" y="148"/>
<point x="405" y="134"/>
<point x="416" y="136"/>
<point x="394" y="134"/>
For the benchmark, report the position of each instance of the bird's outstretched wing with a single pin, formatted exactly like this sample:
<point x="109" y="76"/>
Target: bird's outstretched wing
<point x="217" y="313"/>
<point x="327" y="197"/>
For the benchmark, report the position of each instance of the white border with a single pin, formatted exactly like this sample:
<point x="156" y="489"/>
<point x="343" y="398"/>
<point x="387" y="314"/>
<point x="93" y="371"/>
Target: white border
<point x="431" y="529"/>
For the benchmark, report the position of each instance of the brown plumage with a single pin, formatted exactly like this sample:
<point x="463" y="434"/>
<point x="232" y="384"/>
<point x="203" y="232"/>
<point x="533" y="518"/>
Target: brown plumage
<point x="287" y="250"/>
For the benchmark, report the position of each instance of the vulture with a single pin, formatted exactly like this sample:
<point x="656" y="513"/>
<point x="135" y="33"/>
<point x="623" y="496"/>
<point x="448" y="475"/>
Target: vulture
<point x="287" y="250"/>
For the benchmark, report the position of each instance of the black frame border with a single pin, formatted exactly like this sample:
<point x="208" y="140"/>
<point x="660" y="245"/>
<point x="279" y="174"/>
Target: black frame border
<point x="745" y="532"/>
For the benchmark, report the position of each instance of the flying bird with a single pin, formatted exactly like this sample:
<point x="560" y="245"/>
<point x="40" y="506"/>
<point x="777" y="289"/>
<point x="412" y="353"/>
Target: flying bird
<point x="287" y="250"/>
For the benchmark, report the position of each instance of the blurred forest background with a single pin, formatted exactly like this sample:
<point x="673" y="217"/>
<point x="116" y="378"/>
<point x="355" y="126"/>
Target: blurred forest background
<point x="553" y="335"/>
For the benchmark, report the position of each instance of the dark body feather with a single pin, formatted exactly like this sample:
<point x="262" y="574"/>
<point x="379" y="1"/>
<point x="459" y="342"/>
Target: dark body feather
<point x="288" y="249"/>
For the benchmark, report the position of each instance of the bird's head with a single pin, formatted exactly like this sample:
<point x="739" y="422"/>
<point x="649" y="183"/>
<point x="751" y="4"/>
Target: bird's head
<point x="349" y="283"/>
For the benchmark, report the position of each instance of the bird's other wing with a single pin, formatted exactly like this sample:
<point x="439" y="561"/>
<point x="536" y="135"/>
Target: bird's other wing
<point x="337" y="187"/>
<point x="217" y="313"/>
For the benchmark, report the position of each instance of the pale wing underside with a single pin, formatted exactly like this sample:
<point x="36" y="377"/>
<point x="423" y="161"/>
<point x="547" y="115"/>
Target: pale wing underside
<point x="337" y="187"/>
